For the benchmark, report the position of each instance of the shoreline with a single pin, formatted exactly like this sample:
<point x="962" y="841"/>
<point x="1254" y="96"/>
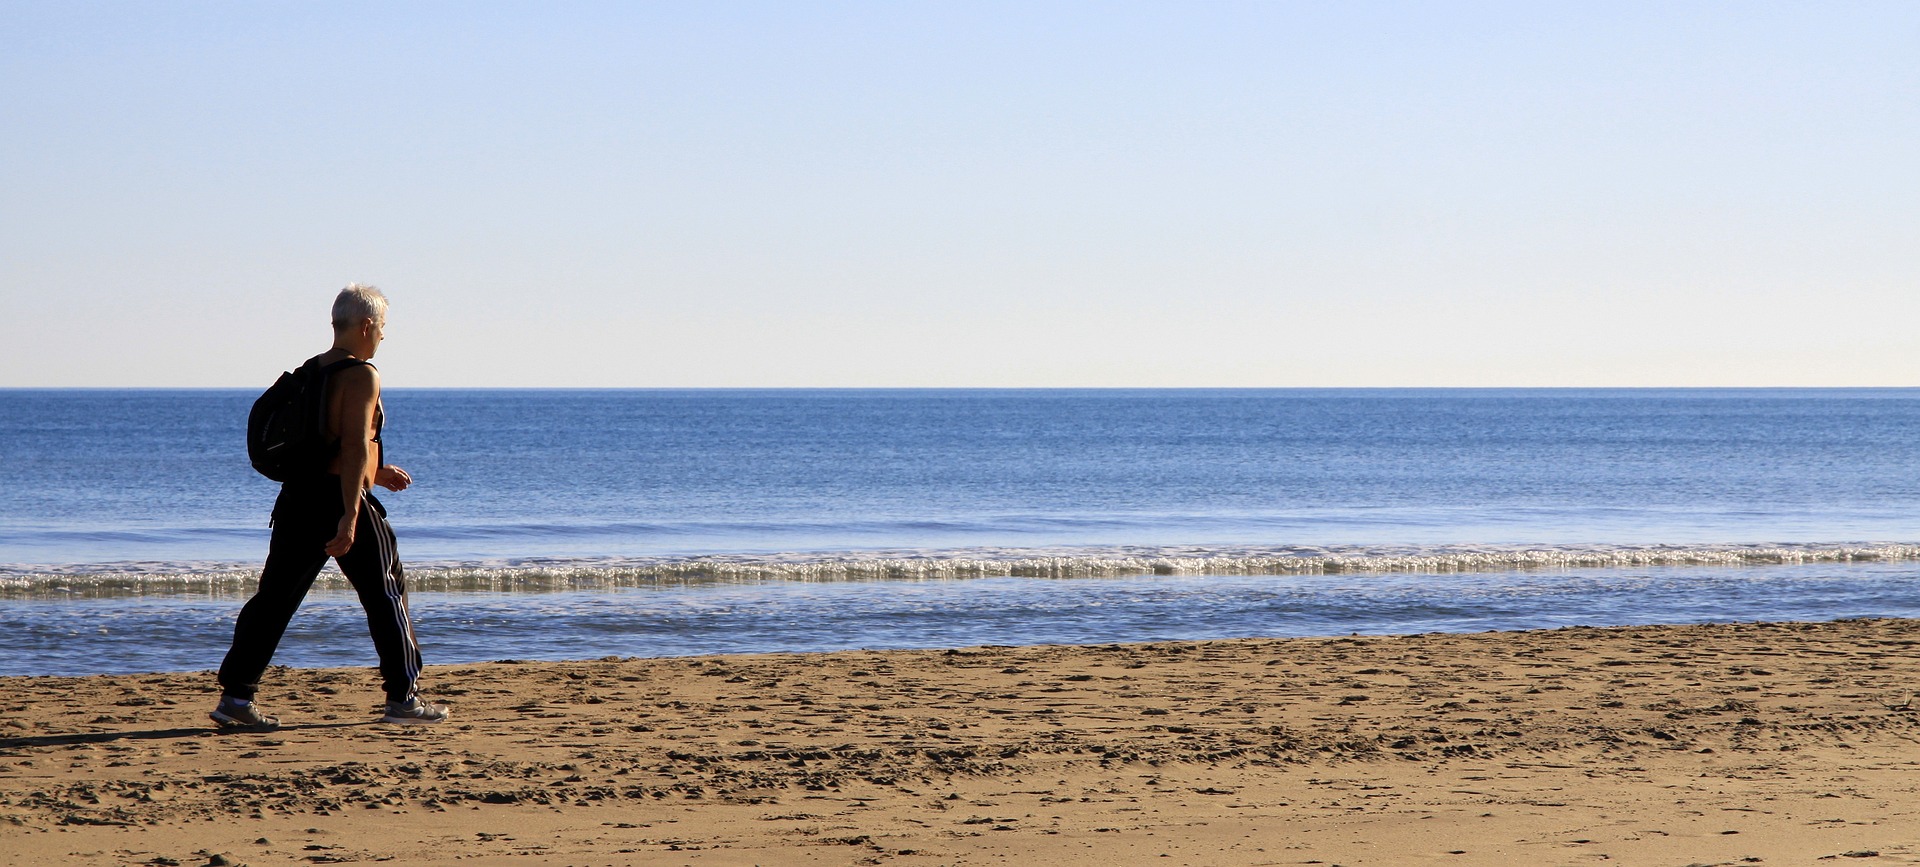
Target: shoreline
<point x="1651" y="744"/>
<point x="550" y="573"/>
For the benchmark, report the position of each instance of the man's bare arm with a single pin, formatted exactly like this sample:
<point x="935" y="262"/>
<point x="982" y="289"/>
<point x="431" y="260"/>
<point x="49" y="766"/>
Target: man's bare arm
<point x="359" y="393"/>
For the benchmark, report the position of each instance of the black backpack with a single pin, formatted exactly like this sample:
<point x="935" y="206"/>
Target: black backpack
<point x="287" y="429"/>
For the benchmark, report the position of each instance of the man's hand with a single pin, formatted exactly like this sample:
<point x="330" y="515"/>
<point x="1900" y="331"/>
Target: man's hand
<point x="392" y="478"/>
<point x="343" y="538"/>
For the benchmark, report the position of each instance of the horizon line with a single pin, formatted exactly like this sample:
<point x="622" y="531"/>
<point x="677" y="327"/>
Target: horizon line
<point x="1004" y="388"/>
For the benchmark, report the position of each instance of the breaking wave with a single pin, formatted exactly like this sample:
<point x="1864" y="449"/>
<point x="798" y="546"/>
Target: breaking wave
<point x="573" y="574"/>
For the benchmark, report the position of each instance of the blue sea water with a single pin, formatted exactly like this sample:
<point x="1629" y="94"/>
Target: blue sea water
<point x="568" y="524"/>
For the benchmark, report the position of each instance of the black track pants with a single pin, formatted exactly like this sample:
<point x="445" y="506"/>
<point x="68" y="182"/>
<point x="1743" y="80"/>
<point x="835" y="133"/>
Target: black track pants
<point x="304" y="519"/>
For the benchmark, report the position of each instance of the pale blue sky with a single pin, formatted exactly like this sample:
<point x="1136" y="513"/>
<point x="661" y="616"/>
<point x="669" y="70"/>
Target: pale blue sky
<point x="966" y="193"/>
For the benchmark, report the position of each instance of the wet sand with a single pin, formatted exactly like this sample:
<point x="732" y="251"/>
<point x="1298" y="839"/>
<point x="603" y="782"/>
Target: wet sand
<point x="1726" y="744"/>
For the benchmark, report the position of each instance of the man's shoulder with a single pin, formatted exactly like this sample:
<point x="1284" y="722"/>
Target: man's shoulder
<point x="360" y="373"/>
<point x="329" y="361"/>
<point x="354" y="377"/>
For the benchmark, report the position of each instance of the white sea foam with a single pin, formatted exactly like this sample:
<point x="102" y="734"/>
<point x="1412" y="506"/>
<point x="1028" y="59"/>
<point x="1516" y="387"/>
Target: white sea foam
<point x="558" y="574"/>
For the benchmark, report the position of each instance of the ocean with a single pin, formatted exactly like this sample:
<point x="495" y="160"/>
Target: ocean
<point x="569" y="524"/>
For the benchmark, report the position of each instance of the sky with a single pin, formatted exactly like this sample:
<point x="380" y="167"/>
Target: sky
<point x="965" y="194"/>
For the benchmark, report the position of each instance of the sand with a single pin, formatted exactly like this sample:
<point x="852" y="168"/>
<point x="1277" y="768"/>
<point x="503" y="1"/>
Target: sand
<point x="1723" y="744"/>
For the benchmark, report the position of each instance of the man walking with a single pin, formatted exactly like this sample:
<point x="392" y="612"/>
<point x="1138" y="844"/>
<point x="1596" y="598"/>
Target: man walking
<point x="329" y="511"/>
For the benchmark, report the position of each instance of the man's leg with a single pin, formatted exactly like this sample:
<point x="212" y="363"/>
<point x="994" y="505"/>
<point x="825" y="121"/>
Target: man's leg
<point x="374" y="568"/>
<point x="294" y="557"/>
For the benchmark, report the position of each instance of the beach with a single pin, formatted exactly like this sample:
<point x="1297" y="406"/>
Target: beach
<point x="1231" y="433"/>
<point x="1702" y="744"/>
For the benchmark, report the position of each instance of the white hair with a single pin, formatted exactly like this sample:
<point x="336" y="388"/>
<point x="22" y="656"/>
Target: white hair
<point x="357" y="302"/>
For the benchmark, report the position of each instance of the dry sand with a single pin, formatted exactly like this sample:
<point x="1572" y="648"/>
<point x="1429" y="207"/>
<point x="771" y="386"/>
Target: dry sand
<point x="1734" y="744"/>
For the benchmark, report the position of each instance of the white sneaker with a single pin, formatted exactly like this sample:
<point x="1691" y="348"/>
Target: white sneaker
<point x="413" y="711"/>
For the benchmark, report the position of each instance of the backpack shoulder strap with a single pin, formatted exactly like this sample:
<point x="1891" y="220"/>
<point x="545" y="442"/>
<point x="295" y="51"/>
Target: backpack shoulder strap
<point x="317" y="387"/>
<point x="342" y="364"/>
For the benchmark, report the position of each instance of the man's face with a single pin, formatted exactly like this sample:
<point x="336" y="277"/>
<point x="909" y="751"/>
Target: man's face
<point x="376" y="329"/>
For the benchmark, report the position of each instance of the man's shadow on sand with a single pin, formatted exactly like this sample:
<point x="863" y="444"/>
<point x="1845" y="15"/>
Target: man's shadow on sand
<point x="164" y="734"/>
